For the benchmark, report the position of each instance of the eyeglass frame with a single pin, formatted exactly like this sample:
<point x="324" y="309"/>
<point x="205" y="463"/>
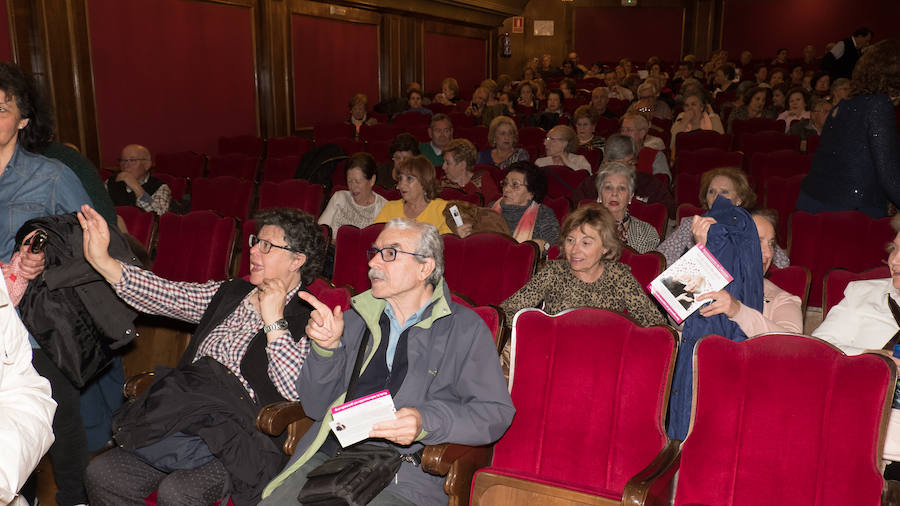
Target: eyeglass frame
<point x="370" y="253"/>
<point x="250" y="241"/>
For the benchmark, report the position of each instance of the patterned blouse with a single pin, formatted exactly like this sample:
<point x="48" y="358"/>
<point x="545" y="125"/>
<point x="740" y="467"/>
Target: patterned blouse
<point x="559" y="289"/>
<point x="642" y="236"/>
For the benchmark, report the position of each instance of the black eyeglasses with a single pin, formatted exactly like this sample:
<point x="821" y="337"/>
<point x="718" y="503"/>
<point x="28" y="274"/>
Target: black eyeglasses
<point x="265" y="246"/>
<point x="388" y="254"/>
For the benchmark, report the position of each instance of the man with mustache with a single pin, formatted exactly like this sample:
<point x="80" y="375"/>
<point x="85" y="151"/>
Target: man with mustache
<point x="435" y="356"/>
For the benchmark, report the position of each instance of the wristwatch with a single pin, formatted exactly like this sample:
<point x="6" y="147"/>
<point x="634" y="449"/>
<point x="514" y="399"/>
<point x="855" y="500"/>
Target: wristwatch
<point x="276" y="325"/>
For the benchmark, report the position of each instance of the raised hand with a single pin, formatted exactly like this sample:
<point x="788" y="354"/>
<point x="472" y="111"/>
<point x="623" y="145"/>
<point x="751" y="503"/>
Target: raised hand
<point x="271" y="293"/>
<point x="96" y="244"/>
<point x="325" y="326"/>
<point x="700" y="228"/>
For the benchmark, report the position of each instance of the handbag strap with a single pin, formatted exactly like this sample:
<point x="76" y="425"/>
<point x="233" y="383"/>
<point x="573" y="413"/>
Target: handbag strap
<point x="357" y="367"/>
<point x="895" y="311"/>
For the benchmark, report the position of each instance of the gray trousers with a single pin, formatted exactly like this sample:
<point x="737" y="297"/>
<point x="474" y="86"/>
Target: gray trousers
<point x="288" y="491"/>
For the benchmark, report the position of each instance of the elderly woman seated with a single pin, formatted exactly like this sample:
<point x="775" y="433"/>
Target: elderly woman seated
<point x="588" y="275"/>
<point x="819" y="109"/>
<point x="554" y="111"/>
<point x="449" y="94"/>
<point x="524" y="188"/>
<point x="358" y="205"/>
<point x="188" y="435"/>
<point x="527" y="95"/>
<point x="503" y="136"/>
<point x="796" y="108"/>
<point x="560" y="145"/>
<point x="419" y="192"/>
<point x="459" y="171"/>
<point x="729" y="182"/>
<point x="359" y="113"/>
<point x="615" y="187"/>
<point x="585" y="119"/>
<point x="402" y="148"/>
<point x="754" y="107"/>
<point x="698" y="114"/>
<point x="648" y="102"/>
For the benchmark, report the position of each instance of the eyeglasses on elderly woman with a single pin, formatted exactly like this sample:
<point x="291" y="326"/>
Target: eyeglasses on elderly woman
<point x="265" y="246"/>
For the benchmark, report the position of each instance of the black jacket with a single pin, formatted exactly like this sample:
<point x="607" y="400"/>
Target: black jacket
<point x="71" y="311"/>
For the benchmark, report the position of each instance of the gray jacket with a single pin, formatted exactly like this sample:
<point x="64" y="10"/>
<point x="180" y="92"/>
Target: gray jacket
<point x="453" y="379"/>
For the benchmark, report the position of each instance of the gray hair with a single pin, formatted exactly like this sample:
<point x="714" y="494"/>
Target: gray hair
<point x="616" y="167"/>
<point x="430" y="245"/>
<point x="618" y="147"/>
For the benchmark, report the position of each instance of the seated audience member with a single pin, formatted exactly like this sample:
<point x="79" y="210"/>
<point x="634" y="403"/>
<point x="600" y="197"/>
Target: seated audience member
<point x="478" y="104"/>
<point x="648" y="102"/>
<point x="402" y="148"/>
<point x="546" y="70"/>
<point x="616" y="90"/>
<point x="567" y="87"/>
<point x="459" y="171"/>
<point x="399" y="321"/>
<point x="588" y="275"/>
<point x="651" y="156"/>
<point x="810" y="61"/>
<point x="190" y="436"/>
<point x="449" y="94"/>
<point x="550" y="116"/>
<point x="745" y="65"/>
<point x="569" y="71"/>
<point x="615" y="187"/>
<point x="503" y="135"/>
<point x="797" y="75"/>
<point x="528" y="74"/>
<point x="648" y="188"/>
<point x="524" y="188"/>
<point x="527" y="97"/>
<point x="776" y="77"/>
<point x="781" y="310"/>
<point x="779" y="97"/>
<point x="504" y="84"/>
<point x="572" y="57"/>
<point x="599" y="101"/>
<point x="821" y="85"/>
<point x="414" y="103"/>
<point x="725" y="76"/>
<point x="359" y="114"/>
<point x="684" y="72"/>
<point x="507" y="103"/>
<point x="134" y="186"/>
<point x="560" y="146"/>
<point x="840" y="90"/>
<point x="440" y="131"/>
<point x="698" y="114"/>
<point x="816" y="121"/>
<point x="358" y="205"/>
<point x="26" y="408"/>
<point x="585" y="120"/>
<point x="419" y="190"/>
<point x="729" y="182"/>
<point x="796" y="108"/>
<point x="760" y="76"/>
<point x="754" y="107"/>
<point x="781" y="58"/>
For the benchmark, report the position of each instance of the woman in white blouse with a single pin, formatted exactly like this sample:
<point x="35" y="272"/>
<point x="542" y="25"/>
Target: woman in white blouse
<point x="560" y="146"/>
<point x="358" y="205"/>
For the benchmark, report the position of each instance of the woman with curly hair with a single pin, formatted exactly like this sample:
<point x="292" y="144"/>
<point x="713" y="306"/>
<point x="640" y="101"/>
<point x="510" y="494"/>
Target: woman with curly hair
<point x="856" y="165"/>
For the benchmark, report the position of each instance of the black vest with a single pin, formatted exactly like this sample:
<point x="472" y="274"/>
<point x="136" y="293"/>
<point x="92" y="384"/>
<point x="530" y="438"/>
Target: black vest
<point x="255" y="364"/>
<point x="118" y="191"/>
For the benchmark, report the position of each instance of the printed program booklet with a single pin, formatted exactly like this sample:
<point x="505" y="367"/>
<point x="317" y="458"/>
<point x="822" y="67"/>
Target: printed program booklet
<point x="352" y="421"/>
<point x="695" y="273"/>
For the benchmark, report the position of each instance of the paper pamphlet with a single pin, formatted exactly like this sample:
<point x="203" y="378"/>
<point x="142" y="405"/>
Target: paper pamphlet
<point x="695" y="273"/>
<point x="352" y="421"/>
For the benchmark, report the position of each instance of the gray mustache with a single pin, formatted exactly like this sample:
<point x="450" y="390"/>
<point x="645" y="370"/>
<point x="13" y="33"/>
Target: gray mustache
<point x="376" y="274"/>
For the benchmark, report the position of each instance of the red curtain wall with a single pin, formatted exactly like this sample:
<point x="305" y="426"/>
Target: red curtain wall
<point x="462" y="58"/>
<point x="6" y="53"/>
<point x="608" y="34"/>
<point x="171" y="74"/>
<point x="333" y="61"/>
<point x="764" y="26"/>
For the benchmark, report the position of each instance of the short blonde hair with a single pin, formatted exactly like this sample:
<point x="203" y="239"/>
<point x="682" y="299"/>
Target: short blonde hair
<point x="452" y="84"/>
<point x="598" y="217"/>
<point x="359" y="98"/>
<point x="463" y="150"/>
<point x="585" y="111"/>
<point x="499" y="121"/>
<point x="741" y="185"/>
<point x="568" y="134"/>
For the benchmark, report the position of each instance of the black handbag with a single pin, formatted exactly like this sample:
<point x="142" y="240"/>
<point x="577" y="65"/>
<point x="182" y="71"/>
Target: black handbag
<point x="355" y="475"/>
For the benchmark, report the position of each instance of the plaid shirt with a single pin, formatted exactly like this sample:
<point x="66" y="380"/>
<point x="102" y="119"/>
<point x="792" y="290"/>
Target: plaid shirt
<point x="228" y="342"/>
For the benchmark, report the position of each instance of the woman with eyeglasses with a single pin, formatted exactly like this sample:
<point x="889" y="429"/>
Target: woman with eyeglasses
<point x="524" y="188"/>
<point x="560" y="146"/>
<point x="419" y="190"/>
<point x="247" y="352"/>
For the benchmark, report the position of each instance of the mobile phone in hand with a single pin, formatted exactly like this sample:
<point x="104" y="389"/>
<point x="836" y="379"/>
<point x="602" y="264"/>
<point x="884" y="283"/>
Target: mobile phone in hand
<point x="38" y="241"/>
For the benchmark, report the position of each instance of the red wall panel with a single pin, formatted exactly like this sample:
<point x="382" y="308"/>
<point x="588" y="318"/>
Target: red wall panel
<point x="764" y="26"/>
<point x="333" y="60"/>
<point x="610" y="33"/>
<point x="171" y="74"/>
<point x="462" y="58"/>
<point x="6" y="53"/>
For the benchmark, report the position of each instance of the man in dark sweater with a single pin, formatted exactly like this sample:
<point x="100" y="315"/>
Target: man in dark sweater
<point x="134" y="186"/>
<point x="839" y="62"/>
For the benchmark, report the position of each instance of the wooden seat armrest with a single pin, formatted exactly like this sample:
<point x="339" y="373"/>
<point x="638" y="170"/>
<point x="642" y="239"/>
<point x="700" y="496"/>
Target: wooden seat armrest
<point x="137" y="384"/>
<point x="653" y="484"/>
<point x="890" y="494"/>
<point x="274" y="418"/>
<point x="458" y="463"/>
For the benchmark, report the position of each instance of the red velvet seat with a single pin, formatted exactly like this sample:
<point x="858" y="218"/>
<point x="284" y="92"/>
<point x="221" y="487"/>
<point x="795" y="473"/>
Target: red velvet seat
<point x="782" y="163"/>
<point x="194" y="247"/>
<point x="379" y="132"/>
<point x="330" y="295"/>
<point x="606" y="126"/>
<point x="487" y="267"/>
<point x="351" y="267"/>
<point x="561" y="207"/>
<point x="460" y="120"/>
<point x="280" y="169"/>
<point x="590" y="389"/>
<point x="617" y="106"/>
<point x="183" y="164"/>
<point x="739" y="127"/>
<point x="280" y="147"/>
<point x="408" y="119"/>
<point x="594" y="157"/>
<point x="836" y="280"/>
<point x="496" y="173"/>
<point x="644" y="266"/>
<point x="534" y="150"/>
<point x="177" y="185"/>
<point x="141" y="224"/>
<point x="687" y="189"/>
<point x="766" y="142"/>
<point x="702" y="160"/>
<point x="393" y="194"/>
<point x="563" y="181"/>
<point x="477" y="135"/>
<point x="685" y="210"/>
<point x="793" y="279"/>
<point x="226" y="195"/>
<point x="380" y="150"/>
<point x="325" y="133"/>
<point x="780" y="194"/>
<point x="532" y="136"/>
<point x="846" y="239"/>
<point x="247" y="145"/>
<point x="655" y="214"/>
<point x="699" y="139"/>
<point x="348" y="145"/>
<point x="454" y="194"/>
<point x="812" y="144"/>
<point x="296" y="193"/>
<point x="237" y="165"/>
<point x="785" y="419"/>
